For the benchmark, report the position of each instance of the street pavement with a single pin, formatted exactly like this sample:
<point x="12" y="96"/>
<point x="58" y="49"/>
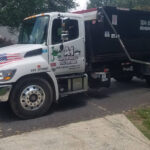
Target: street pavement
<point x="114" y="132"/>
<point x="96" y="104"/>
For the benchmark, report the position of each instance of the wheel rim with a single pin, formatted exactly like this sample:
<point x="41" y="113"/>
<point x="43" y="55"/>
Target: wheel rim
<point x="32" y="97"/>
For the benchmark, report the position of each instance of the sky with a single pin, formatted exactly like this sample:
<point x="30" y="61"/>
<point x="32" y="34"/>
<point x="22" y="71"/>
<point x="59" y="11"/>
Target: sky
<point x="82" y="4"/>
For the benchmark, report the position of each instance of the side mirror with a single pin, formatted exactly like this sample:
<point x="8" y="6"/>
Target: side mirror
<point x="64" y="28"/>
<point x="65" y="36"/>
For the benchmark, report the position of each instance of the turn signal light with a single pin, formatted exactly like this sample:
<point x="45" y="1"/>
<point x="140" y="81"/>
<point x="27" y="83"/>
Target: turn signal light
<point x="7" y="78"/>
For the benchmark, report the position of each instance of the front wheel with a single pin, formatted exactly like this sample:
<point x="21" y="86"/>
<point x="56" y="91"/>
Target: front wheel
<point x="31" y="98"/>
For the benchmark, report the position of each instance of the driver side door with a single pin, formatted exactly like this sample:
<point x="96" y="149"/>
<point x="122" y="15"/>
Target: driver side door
<point x="67" y="55"/>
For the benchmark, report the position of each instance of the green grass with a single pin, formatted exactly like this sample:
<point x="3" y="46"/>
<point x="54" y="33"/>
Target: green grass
<point x="141" y="119"/>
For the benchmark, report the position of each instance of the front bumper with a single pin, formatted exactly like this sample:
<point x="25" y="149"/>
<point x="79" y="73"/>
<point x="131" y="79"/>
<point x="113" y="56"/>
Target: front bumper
<point x="5" y="92"/>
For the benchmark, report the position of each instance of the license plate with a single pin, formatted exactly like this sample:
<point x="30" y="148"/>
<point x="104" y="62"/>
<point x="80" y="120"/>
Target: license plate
<point x="104" y="77"/>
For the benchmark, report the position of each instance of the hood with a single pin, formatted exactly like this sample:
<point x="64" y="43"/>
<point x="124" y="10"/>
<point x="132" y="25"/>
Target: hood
<point x="18" y="52"/>
<point x="20" y="48"/>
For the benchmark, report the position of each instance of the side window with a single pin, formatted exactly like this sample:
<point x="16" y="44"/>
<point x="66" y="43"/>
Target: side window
<point x="71" y="27"/>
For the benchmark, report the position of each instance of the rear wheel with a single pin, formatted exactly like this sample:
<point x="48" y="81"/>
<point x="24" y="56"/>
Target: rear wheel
<point x="31" y="98"/>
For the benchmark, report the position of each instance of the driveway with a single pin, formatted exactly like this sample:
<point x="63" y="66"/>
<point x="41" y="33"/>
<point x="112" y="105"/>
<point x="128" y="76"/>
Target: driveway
<point x="79" y="108"/>
<point x="113" y="132"/>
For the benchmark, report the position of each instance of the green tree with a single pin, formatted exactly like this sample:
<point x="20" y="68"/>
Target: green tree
<point x="99" y="3"/>
<point x="60" y="5"/>
<point x="134" y="4"/>
<point x="12" y="12"/>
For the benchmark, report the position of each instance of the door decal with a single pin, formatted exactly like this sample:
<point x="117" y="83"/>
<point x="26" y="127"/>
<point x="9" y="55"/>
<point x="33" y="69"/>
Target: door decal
<point x="68" y="56"/>
<point x="55" y="54"/>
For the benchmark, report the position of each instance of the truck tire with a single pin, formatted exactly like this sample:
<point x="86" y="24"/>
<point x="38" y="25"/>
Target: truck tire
<point x="123" y="78"/>
<point x="31" y="98"/>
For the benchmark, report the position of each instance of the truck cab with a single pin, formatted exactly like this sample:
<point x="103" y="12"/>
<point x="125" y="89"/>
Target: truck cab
<point x="47" y="63"/>
<point x="64" y="36"/>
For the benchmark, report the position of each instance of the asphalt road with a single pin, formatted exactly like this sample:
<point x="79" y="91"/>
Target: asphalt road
<point x="120" y="98"/>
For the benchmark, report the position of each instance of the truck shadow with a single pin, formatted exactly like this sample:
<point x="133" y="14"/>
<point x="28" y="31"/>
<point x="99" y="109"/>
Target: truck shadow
<point x="72" y="109"/>
<point x="118" y="87"/>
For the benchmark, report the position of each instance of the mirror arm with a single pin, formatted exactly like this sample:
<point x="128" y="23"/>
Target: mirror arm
<point x="61" y="47"/>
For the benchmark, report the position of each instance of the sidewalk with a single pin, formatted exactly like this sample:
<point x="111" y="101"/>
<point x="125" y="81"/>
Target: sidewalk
<point x="109" y="133"/>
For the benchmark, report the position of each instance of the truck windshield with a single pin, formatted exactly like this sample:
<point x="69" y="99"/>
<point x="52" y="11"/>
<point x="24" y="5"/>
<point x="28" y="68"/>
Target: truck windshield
<point x="34" y="31"/>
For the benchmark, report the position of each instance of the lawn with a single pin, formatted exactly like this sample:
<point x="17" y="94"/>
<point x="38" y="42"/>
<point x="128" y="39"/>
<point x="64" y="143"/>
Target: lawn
<point x="141" y="119"/>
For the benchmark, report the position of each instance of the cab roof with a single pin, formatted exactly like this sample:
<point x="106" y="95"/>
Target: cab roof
<point x="55" y="14"/>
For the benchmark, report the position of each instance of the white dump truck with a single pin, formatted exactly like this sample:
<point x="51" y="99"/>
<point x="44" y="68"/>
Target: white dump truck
<point x="59" y="54"/>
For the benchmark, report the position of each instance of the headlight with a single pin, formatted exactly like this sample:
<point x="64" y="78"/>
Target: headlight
<point x="7" y="75"/>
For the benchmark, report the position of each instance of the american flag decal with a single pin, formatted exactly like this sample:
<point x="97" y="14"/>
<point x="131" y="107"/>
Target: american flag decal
<point x="7" y="58"/>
